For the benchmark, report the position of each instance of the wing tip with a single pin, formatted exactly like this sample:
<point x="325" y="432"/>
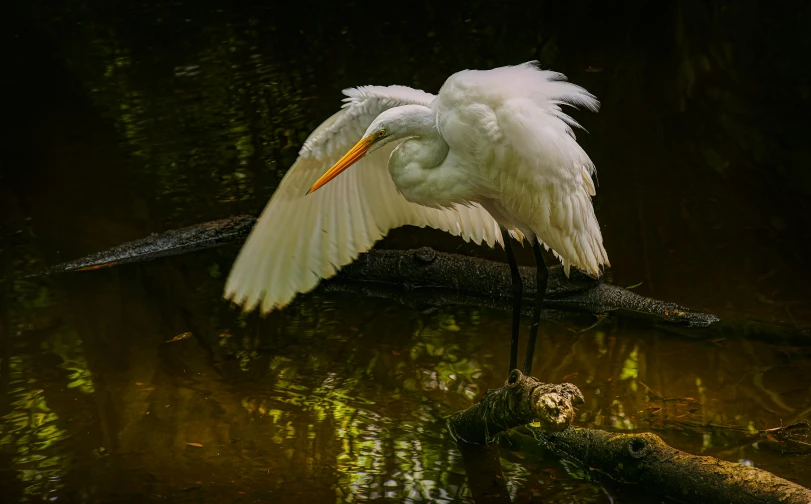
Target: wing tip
<point x="249" y="304"/>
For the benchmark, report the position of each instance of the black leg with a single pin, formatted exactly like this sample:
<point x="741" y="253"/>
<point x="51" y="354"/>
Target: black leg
<point x="518" y="293"/>
<point x="542" y="278"/>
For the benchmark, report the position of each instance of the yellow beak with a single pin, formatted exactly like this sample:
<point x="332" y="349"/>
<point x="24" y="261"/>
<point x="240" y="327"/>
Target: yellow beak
<point x="350" y="158"/>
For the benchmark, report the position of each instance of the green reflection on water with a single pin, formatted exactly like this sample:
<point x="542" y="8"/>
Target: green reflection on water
<point x="31" y="431"/>
<point x="68" y="346"/>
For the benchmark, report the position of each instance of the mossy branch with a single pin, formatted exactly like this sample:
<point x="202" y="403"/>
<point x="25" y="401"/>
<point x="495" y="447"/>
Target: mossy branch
<point x="644" y="460"/>
<point x="522" y="400"/>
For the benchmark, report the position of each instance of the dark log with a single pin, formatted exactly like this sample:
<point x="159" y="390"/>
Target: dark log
<point x="642" y="460"/>
<point x="421" y="276"/>
<point x="645" y="461"/>
<point x="522" y="400"/>
<point x="170" y="243"/>
<point x="488" y="283"/>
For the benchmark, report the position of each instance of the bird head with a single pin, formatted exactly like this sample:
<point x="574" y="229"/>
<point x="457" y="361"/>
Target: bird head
<point x="390" y="125"/>
<point x="371" y="141"/>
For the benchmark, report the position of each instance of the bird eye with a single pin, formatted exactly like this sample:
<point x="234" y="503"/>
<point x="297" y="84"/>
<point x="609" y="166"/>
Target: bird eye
<point x="381" y="133"/>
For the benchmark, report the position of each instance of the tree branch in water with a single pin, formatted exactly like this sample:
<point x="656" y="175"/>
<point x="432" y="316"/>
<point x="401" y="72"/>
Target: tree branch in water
<point x="421" y="276"/>
<point x="523" y="400"/>
<point x="644" y="460"/>
<point x="458" y="279"/>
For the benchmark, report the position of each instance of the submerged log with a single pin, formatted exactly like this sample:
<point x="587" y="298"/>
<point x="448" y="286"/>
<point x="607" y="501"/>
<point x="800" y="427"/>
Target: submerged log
<point x="420" y="276"/>
<point x="174" y="242"/>
<point x="444" y="278"/>
<point x="642" y="460"/>
<point x="647" y="462"/>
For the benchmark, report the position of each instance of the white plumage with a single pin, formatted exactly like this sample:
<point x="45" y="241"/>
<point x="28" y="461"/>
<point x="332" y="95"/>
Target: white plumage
<point x="492" y="149"/>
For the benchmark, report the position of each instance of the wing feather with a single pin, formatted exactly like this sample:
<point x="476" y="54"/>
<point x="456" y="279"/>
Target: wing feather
<point x="509" y="121"/>
<point x="300" y="239"/>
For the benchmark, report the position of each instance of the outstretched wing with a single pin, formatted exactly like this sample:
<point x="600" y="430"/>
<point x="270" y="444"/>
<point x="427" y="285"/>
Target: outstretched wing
<point x="509" y="121"/>
<point x="300" y="239"/>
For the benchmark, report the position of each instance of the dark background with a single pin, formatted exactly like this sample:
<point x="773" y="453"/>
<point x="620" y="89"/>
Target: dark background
<point x="701" y="143"/>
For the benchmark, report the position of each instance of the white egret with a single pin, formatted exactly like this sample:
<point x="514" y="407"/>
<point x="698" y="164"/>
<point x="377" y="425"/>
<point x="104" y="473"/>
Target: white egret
<point x="491" y="156"/>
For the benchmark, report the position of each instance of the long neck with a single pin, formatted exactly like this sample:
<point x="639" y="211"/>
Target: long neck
<point x="416" y="164"/>
<point x="423" y="144"/>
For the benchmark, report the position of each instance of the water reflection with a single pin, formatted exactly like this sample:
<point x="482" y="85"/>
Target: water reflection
<point x="30" y="434"/>
<point x="339" y="400"/>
